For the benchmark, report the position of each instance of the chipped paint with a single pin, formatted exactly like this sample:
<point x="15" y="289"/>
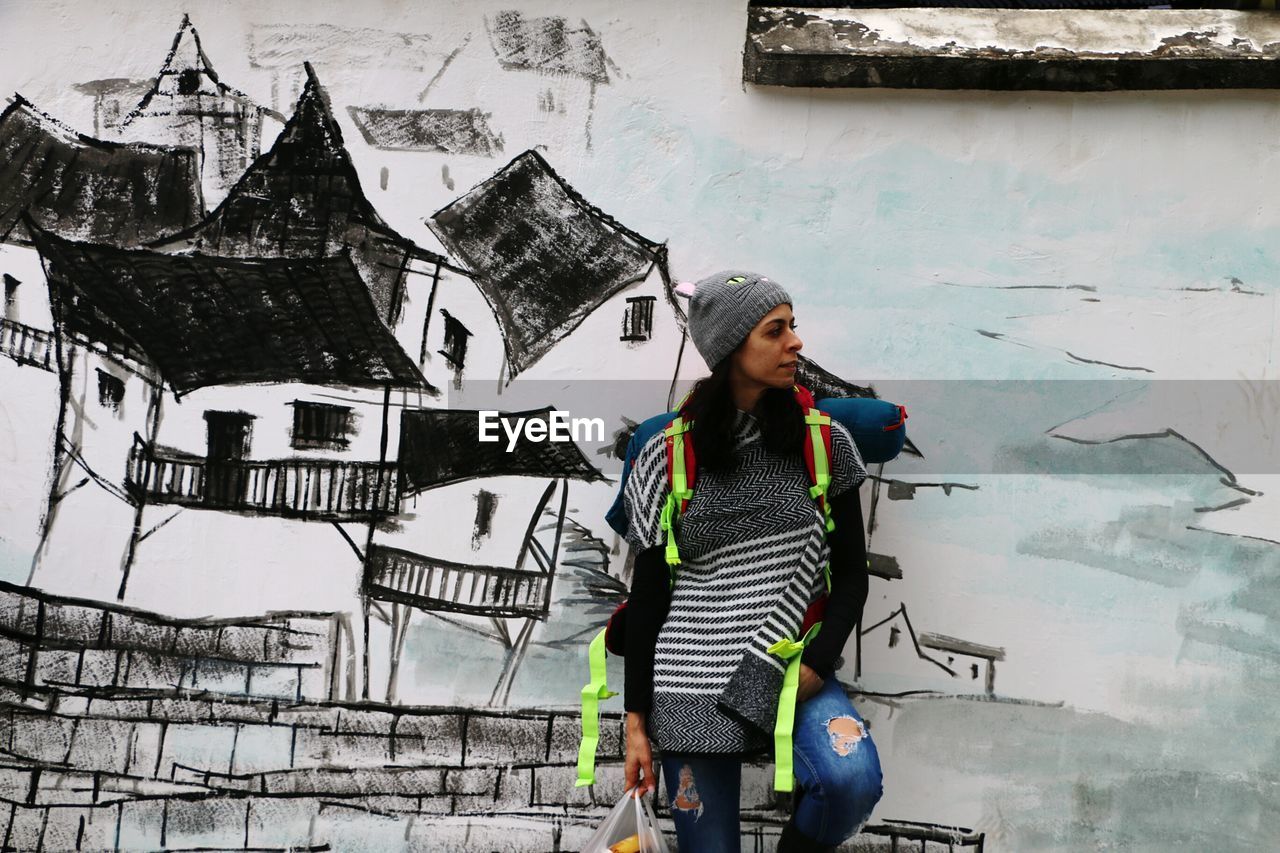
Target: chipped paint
<point x="1063" y="49"/>
<point x="1018" y="33"/>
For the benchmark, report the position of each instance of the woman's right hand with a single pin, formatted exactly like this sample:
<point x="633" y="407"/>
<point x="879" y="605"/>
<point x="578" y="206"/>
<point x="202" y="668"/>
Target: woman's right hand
<point x="640" y="768"/>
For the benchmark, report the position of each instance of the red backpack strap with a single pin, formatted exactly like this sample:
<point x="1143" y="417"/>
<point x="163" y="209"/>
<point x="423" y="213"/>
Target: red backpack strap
<point x="804" y="397"/>
<point x="817" y="452"/>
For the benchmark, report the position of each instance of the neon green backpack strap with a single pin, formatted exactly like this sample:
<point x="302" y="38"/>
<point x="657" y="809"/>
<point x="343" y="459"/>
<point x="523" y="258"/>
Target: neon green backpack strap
<point x="816" y="420"/>
<point x="680" y="491"/>
<point x="789" y="650"/>
<point x="595" y="690"/>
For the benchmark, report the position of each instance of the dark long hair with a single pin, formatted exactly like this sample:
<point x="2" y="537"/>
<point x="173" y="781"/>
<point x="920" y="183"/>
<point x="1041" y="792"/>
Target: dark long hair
<point x="711" y="408"/>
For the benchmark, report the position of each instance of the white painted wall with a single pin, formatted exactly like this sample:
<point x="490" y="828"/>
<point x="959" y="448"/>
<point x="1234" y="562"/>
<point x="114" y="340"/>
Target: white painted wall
<point x="183" y="425"/>
<point x="440" y="522"/>
<point x="903" y="223"/>
<point x="31" y="299"/>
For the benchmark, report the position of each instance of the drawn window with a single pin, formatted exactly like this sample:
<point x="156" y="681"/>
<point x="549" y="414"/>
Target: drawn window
<point x="110" y="391"/>
<point x="486" y="505"/>
<point x="321" y="426"/>
<point x="455" y="340"/>
<point x="637" y="319"/>
<point x="10" y="293"/>
<point x="188" y="81"/>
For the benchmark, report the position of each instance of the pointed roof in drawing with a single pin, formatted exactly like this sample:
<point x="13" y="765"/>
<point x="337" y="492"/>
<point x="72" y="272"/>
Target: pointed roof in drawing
<point x="90" y="189"/>
<point x="543" y="256"/>
<point x="303" y="199"/>
<point x="186" y="72"/>
<point x="205" y="320"/>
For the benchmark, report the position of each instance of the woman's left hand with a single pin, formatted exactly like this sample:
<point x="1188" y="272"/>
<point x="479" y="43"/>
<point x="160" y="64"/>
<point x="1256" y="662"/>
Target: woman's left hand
<point x="810" y="683"/>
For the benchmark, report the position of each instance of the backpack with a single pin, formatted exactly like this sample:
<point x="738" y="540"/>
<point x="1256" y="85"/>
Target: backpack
<point x="682" y="471"/>
<point x="878" y="428"/>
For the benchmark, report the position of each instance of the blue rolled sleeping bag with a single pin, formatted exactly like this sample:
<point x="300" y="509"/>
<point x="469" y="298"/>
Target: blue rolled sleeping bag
<point x="878" y="427"/>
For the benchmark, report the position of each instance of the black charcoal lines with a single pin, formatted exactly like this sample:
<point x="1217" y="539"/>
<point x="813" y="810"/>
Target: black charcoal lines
<point x="543" y="257"/>
<point x="187" y="104"/>
<point x="437" y="130"/>
<point x="126" y="728"/>
<point x="486" y="505"/>
<point x="113" y="98"/>
<point x="303" y="199"/>
<point x="130" y="729"/>
<point x="824" y="383"/>
<point x="288" y="46"/>
<point x="213" y="321"/>
<point x="550" y="45"/>
<point x="441" y="446"/>
<point x="89" y="189"/>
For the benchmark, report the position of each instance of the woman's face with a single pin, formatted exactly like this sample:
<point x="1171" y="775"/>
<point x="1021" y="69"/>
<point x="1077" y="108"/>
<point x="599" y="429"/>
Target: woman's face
<point x="768" y="356"/>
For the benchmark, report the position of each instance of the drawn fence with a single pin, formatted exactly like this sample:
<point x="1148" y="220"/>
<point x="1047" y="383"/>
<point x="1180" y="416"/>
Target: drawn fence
<point x="904" y="836"/>
<point x="321" y="490"/>
<point x="392" y="574"/>
<point x="27" y="345"/>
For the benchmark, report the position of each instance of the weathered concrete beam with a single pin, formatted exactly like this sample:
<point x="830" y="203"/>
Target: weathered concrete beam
<point x="1012" y="49"/>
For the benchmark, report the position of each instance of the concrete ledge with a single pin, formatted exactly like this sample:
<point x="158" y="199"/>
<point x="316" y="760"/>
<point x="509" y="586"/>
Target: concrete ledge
<point x="1011" y="49"/>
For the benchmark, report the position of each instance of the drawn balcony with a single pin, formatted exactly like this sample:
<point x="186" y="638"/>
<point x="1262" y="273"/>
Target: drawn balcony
<point x="308" y="489"/>
<point x="26" y="345"/>
<point x="427" y="583"/>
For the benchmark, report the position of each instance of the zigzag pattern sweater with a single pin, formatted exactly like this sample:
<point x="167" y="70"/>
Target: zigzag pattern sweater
<point x="753" y="548"/>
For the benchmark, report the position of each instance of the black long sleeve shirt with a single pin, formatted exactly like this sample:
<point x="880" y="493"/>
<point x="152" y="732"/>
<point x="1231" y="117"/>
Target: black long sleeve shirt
<point x="651" y="597"/>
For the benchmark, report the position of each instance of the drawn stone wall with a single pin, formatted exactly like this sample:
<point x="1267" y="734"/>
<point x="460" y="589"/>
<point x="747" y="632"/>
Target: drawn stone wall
<point x="127" y="730"/>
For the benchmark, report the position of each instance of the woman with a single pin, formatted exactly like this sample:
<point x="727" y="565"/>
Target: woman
<point x="699" y="678"/>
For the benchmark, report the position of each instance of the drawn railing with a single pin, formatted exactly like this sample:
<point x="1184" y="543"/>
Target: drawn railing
<point x="391" y="574"/>
<point x="908" y="836"/>
<point x="320" y="490"/>
<point x="26" y="344"/>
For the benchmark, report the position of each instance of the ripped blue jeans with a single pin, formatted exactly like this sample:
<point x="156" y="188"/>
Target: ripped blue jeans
<point x="837" y="780"/>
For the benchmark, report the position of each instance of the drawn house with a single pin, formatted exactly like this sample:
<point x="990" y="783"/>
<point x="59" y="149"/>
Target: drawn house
<point x="296" y="427"/>
<point x="575" y="293"/>
<point x="893" y="657"/>
<point x="554" y="276"/>
<point x="112" y="193"/>
<point x="480" y="533"/>
<point x="186" y="104"/>
<point x="438" y="130"/>
<point x="295" y="448"/>
<point x="195" y="326"/>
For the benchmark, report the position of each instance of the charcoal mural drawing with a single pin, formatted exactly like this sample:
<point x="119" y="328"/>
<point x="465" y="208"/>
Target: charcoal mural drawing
<point x="262" y="588"/>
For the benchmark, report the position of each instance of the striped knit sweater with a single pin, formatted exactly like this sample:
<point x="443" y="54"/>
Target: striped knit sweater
<point x="753" y="548"/>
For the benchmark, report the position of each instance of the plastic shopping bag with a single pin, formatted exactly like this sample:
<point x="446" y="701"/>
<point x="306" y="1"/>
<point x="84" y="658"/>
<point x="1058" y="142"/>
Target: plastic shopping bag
<point x="631" y="827"/>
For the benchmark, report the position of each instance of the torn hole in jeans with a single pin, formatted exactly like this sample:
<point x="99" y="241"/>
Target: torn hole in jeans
<point x="845" y="732"/>
<point x="687" y="799"/>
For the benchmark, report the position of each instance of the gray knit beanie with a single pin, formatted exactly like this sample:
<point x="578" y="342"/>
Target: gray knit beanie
<point x="725" y="307"/>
